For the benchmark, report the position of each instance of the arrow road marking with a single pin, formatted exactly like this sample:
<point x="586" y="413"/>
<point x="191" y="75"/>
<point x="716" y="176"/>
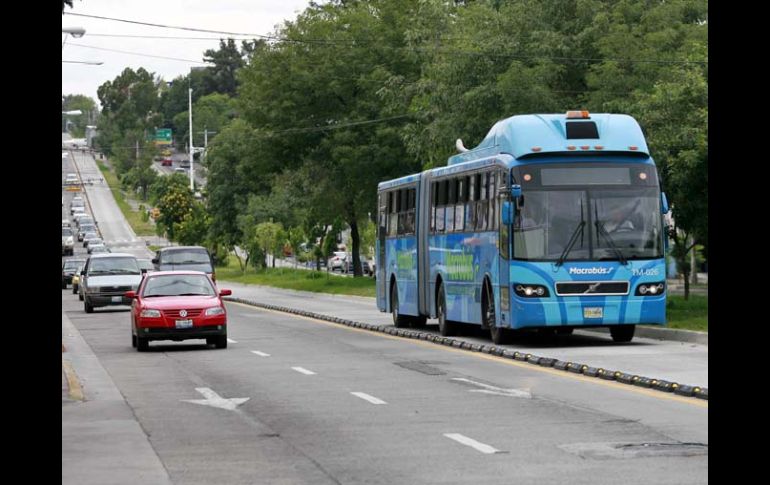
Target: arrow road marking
<point x="261" y="354"/>
<point x="497" y="391"/>
<point x="367" y="397"/>
<point x="215" y="400"/>
<point x="462" y="439"/>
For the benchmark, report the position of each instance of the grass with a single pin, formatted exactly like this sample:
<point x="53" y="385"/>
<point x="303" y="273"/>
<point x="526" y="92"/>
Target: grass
<point x="297" y="279"/>
<point x="134" y="218"/>
<point x="689" y="314"/>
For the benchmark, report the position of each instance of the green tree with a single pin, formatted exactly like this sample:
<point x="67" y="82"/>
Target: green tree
<point x="78" y="123"/>
<point x="194" y="227"/>
<point x="174" y="207"/>
<point x="268" y="237"/>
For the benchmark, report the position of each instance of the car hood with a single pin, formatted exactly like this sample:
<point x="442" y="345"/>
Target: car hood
<point x="114" y="280"/>
<point x="178" y="302"/>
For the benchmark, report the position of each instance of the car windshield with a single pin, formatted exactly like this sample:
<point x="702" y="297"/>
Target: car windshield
<point x="607" y="220"/>
<point x="72" y="264"/>
<point x="189" y="256"/>
<point x="102" y="266"/>
<point x="178" y="285"/>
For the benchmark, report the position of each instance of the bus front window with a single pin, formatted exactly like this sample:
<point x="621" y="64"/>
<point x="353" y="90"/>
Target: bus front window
<point x="620" y="223"/>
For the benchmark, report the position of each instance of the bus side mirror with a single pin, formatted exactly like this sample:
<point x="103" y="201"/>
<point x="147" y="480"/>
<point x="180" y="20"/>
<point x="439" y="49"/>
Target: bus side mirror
<point x="515" y="191"/>
<point x="663" y="203"/>
<point x="507" y="212"/>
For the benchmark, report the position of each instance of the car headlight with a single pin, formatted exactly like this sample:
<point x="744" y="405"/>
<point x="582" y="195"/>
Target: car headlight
<point x="218" y="310"/>
<point x="531" y="291"/>
<point x="651" y="289"/>
<point x="150" y="314"/>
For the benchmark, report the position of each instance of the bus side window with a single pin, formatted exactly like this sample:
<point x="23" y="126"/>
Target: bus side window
<point x="382" y="208"/>
<point x="433" y="200"/>
<point x="460" y="205"/>
<point x="470" y="208"/>
<point x="450" y="209"/>
<point x="441" y="207"/>
<point x="393" y="216"/>
<point x="493" y="199"/>
<point x="481" y="204"/>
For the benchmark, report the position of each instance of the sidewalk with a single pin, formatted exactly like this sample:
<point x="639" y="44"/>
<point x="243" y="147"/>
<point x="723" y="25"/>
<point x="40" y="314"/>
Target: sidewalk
<point x="102" y="443"/>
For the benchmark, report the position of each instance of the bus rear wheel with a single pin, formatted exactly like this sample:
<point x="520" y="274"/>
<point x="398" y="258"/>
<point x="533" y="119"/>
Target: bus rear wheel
<point x="399" y="321"/>
<point x="622" y="333"/>
<point x="445" y="327"/>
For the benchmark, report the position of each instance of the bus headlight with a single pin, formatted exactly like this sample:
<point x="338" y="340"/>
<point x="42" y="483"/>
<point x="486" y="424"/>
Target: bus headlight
<point x="531" y="291"/>
<point x="651" y="289"/>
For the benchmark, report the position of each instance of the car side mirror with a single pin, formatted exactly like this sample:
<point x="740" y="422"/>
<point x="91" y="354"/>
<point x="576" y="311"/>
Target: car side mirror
<point x="225" y="292"/>
<point x="154" y="260"/>
<point x="130" y="294"/>
<point x="144" y="271"/>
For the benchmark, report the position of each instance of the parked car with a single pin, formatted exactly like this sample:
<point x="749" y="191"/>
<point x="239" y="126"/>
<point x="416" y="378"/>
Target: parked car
<point x="69" y="268"/>
<point x="176" y="258"/>
<point x="338" y="261"/>
<point x="177" y="305"/>
<point x="106" y="278"/>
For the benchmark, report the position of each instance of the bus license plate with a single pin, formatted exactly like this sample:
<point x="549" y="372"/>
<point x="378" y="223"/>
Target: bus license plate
<point x="184" y="323"/>
<point x="593" y="312"/>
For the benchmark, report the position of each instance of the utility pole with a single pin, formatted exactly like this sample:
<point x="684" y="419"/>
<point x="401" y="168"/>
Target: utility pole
<point x="192" y="167"/>
<point x="206" y="139"/>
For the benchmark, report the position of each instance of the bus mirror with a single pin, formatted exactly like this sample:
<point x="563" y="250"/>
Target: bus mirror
<point x="516" y="191"/>
<point x="663" y="203"/>
<point x="507" y="212"/>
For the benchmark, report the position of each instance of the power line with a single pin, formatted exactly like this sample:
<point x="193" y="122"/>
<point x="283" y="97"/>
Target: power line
<point x="137" y="53"/>
<point x="169" y="37"/>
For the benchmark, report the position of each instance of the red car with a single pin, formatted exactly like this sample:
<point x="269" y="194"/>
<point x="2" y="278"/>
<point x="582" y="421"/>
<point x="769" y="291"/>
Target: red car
<point x="177" y="305"/>
<point x="166" y="162"/>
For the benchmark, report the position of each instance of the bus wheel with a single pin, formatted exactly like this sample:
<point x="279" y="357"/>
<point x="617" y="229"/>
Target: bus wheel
<point x="622" y="333"/>
<point x="400" y="321"/>
<point x="499" y="334"/>
<point x="445" y="327"/>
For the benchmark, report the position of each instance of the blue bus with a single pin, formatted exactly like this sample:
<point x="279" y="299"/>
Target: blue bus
<point x="553" y="222"/>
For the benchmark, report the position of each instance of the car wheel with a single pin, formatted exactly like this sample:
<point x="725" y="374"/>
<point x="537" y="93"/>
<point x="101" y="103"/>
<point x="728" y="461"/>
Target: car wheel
<point x="399" y="321"/>
<point x="220" y="341"/>
<point x="142" y="344"/>
<point x="80" y="296"/>
<point x="133" y="340"/>
<point x="622" y="333"/>
<point x="445" y="327"/>
<point x="88" y="306"/>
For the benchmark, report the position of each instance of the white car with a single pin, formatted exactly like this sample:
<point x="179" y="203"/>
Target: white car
<point x="338" y="261"/>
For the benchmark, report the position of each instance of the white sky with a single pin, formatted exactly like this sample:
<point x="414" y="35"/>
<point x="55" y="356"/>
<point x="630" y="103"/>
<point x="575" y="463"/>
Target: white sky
<point x="248" y="16"/>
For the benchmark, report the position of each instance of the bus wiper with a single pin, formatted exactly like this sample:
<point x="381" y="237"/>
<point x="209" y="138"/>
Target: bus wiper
<point x="601" y="230"/>
<point x="573" y="238"/>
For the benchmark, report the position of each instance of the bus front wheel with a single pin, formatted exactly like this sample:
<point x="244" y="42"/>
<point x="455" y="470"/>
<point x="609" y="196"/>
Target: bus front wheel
<point x="622" y="333"/>
<point x="499" y="334"/>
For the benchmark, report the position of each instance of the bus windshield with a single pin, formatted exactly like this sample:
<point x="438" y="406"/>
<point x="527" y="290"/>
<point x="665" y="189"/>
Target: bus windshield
<point x="607" y="222"/>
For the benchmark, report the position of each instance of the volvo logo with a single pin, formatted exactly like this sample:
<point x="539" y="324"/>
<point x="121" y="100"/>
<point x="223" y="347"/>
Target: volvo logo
<point x="182" y="313"/>
<point x="591" y="289"/>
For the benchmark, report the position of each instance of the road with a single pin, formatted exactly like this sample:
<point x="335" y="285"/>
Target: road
<point x="323" y="403"/>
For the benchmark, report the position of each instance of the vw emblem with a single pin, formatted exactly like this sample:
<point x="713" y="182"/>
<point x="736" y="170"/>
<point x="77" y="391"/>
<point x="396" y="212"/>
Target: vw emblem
<point x="182" y="313"/>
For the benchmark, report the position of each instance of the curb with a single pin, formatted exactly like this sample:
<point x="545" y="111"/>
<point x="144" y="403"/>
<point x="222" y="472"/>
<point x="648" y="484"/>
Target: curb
<point x="673" y="334"/>
<point x="76" y="391"/>
<point x="577" y="368"/>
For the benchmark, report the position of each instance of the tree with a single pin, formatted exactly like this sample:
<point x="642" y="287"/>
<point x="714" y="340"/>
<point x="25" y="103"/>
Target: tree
<point x="174" y="206"/>
<point x="226" y="62"/>
<point x="268" y="237"/>
<point x="83" y="103"/>
<point x="194" y="227"/>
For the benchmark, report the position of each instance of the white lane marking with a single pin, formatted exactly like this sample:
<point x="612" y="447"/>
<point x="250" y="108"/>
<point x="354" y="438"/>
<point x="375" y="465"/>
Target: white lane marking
<point x="367" y="397"/>
<point x="498" y="391"/>
<point x="261" y="354"/>
<point x="302" y="370"/>
<point x="462" y="439"/>
<point x="215" y="400"/>
<point x="232" y="341"/>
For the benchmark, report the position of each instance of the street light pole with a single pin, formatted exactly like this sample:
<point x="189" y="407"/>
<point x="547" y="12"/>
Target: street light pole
<point x="192" y="167"/>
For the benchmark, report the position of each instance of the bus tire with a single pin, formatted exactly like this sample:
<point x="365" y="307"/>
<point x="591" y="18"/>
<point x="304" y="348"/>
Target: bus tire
<point x="622" y="333"/>
<point x="399" y="321"/>
<point x="499" y="334"/>
<point x="445" y="327"/>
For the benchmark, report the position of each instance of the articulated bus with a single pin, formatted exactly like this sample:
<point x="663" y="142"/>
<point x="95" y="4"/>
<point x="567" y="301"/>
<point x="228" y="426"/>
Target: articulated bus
<point x="554" y="222"/>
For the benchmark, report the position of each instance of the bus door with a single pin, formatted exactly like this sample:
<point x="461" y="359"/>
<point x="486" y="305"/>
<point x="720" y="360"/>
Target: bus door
<point x="382" y="229"/>
<point x="503" y="310"/>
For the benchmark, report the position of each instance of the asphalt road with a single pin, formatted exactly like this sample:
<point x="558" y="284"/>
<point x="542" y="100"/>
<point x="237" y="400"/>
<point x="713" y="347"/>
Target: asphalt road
<point x="321" y="403"/>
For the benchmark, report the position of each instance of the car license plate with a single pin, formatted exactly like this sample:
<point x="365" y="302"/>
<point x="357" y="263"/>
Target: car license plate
<point x="184" y="323"/>
<point x="593" y="312"/>
<point x="117" y="299"/>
